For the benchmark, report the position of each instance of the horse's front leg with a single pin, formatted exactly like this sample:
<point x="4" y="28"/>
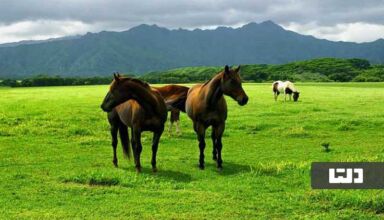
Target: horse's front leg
<point x="136" y="145"/>
<point x="217" y="134"/>
<point x="178" y="131"/>
<point x="200" y="131"/>
<point x="155" y="145"/>
<point x="214" y="150"/>
<point x="170" y="128"/>
<point x="114" y="130"/>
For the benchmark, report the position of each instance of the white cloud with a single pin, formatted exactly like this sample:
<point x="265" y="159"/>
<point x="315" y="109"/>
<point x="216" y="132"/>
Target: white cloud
<point x="352" y="20"/>
<point x="355" y="32"/>
<point x="41" y="29"/>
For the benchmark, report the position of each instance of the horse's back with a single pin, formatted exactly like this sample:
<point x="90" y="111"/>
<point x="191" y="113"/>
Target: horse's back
<point x="172" y="90"/>
<point x="173" y="95"/>
<point x="278" y="86"/>
<point x="281" y="86"/>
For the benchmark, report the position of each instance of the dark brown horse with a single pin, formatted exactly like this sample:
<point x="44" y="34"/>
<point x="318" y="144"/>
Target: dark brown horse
<point x="139" y="107"/>
<point x="206" y="107"/>
<point x="174" y="96"/>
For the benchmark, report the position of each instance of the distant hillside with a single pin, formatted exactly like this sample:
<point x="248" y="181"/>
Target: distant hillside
<point x="316" y="70"/>
<point x="147" y="48"/>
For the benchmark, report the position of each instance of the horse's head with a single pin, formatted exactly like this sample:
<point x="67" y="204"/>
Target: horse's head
<point x="296" y="96"/>
<point x="231" y="85"/>
<point x="118" y="93"/>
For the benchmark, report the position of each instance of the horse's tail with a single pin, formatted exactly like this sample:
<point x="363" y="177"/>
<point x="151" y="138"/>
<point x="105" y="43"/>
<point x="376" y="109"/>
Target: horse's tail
<point x="124" y="137"/>
<point x="178" y="103"/>
<point x="274" y="87"/>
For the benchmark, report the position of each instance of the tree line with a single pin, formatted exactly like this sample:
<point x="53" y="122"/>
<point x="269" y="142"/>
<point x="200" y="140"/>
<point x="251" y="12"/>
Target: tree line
<point x="317" y="70"/>
<point x="45" y="80"/>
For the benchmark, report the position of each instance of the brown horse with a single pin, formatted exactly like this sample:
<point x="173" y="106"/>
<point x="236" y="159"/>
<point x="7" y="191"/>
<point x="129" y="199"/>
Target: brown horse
<point x="174" y="96"/>
<point x="139" y="107"/>
<point x="206" y="106"/>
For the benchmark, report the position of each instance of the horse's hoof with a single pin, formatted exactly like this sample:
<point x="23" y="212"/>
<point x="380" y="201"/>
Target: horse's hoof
<point x="219" y="169"/>
<point x="201" y="167"/>
<point x="115" y="163"/>
<point x="154" y="169"/>
<point x="138" y="169"/>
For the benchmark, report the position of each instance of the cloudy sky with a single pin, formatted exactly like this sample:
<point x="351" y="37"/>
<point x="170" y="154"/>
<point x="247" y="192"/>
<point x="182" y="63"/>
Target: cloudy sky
<point x="345" y="20"/>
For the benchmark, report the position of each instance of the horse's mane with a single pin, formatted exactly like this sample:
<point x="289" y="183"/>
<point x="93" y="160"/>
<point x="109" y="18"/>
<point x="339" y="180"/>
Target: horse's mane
<point x="138" y="81"/>
<point x="204" y="84"/>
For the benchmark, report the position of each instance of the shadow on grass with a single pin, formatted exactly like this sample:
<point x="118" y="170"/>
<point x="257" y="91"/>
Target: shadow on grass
<point x="231" y="168"/>
<point x="163" y="174"/>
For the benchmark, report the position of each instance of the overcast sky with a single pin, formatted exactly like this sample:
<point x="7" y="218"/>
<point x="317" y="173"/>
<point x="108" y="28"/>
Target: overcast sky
<point x="345" y="20"/>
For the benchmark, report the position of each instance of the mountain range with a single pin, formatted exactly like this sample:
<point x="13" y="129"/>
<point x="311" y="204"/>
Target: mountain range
<point x="147" y="48"/>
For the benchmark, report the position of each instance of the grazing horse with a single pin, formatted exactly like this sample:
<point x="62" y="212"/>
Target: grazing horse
<point x="287" y="87"/>
<point x="174" y="95"/>
<point x="139" y="107"/>
<point x="206" y="106"/>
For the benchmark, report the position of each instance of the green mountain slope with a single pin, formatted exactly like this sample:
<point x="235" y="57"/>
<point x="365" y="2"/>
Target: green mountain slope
<point x="150" y="48"/>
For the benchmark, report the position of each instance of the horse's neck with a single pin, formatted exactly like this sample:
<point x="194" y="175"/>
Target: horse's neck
<point x="290" y="86"/>
<point x="145" y="98"/>
<point x="213" y="90"/>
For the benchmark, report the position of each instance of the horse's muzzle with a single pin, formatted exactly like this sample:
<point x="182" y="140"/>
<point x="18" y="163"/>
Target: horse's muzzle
<point x="243" y="101"/>
<point x="103" y="107"/>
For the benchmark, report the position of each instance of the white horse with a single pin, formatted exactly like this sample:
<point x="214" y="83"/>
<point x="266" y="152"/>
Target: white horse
<point x="286" y="87"/>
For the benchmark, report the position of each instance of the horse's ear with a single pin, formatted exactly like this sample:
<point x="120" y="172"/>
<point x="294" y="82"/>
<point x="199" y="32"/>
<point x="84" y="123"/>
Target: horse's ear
<point x="116" y="77"/>
<point x="237" y="69"/>
<point x="226" y="69"/>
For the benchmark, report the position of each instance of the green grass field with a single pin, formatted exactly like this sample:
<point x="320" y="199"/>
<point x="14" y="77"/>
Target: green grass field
<point x="56" y="158"/>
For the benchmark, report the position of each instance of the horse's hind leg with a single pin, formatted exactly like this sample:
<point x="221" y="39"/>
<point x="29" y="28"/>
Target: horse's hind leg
<point x="136" y="145"/>
<point x="170" y="128"/>
<point x="176" y="118"/>
<point x="178" y="131"/>
<point x="200" y="131"/>
<point x="217" y="134"/>
<point x="114" y="130"/>
<point x="276" y="95"/>
<point x="124" y="137"/>
<point x="155" y="145"/>
<point x="214" y="151"/>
